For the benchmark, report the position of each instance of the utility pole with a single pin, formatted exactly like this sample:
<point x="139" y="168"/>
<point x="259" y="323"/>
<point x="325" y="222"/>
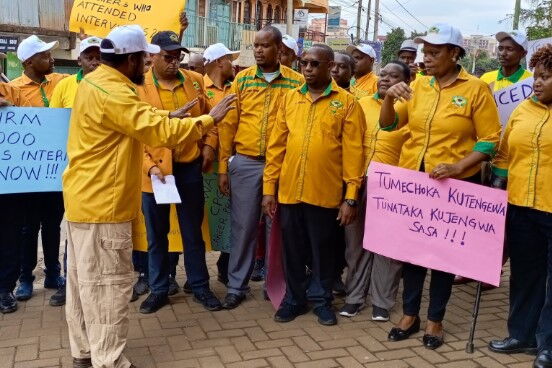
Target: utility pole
<point x="517" y="12"/>
<point x="367" y="19"/>
<point x="376" y="19"/>
<point x="289" y="17"/>
<point x="359" y="13"/>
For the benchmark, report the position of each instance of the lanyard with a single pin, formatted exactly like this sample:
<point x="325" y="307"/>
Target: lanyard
<point x="45" y="100"/>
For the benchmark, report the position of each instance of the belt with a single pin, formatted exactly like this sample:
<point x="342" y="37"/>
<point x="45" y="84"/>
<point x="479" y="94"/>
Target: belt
<point x="256" y="158"/>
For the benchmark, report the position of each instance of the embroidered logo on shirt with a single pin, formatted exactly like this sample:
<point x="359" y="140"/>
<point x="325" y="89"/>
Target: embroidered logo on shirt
<point x="459" y="101"/>
<point x="210" y="94"/>
<point x="196" y="86"/>
<point x="334" y="105"/>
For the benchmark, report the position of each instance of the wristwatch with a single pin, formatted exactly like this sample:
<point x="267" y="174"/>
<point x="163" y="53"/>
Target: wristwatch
<point x="351" y="202"/>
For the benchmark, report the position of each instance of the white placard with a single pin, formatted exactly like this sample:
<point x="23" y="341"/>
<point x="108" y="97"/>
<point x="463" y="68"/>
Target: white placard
<point x="534" y="45"/>
<point x="507" y="99"/>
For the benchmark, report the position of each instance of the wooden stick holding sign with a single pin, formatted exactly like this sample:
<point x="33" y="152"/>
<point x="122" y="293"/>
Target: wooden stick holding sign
<point x="99" y="17"/>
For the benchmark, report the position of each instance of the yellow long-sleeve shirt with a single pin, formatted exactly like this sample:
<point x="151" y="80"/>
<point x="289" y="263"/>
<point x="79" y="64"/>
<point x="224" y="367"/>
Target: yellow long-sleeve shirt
<point x="246" y="129"/>
<point x="382" y="145"/>
<point x="447" y="124"/>
<point x="101" y="183"/>
<point x="316" y="148"/>
<point x="364" y="86"/>
<point x="38" y="94"/>
<point x="525" y="156"/>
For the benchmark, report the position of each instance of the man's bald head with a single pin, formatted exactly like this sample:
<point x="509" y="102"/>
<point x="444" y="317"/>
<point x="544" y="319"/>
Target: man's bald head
<point x="195" y="63"/>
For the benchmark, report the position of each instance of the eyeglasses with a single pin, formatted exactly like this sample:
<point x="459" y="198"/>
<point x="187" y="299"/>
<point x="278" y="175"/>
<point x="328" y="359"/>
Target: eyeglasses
<point x="313" y="63"/>
<point x="171" y="59"/>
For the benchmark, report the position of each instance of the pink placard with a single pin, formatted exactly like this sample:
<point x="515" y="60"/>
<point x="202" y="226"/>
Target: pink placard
<point x="275" y="278"/>
<point x="448" y="225"/>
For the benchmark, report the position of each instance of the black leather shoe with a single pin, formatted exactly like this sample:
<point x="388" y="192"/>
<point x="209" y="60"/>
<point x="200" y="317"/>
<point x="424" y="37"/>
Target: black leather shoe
<point x="8" y="304"/>
<point x="432" y="342"/>
<point x="187" y="288"/>
<point x="153" y="303"/>
<point x="397" y="334"/>
<point x="544" y="359"/>
<point x="288" y="312"/>
<point x="231" y="301"/>
<point x="511" y="346"/>
<point x="209" y="300"/>
<point x="82" y="363"/>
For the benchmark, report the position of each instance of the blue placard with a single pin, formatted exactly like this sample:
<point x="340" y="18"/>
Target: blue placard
<point x="33" y="149"/>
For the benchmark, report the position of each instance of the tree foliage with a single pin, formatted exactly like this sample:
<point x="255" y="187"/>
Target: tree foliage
<point x="538" y="19"/>
<point x="483" y="63"/>
<point x="392" y="45"/>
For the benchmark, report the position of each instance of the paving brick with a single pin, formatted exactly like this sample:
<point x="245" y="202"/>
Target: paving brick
<point x="211" y="362"/>
<point x="228" y="354"/>
<point x="265" y="353"/>
<point x="280" y="362"/>
<point x="306" y="343"/>
<point x="256" y="363"/>
<point x="50" y="362"/>
<point x="324" y="363"/>
<point x="274" y="343"/>
<point x="294" y="354"/>
<point x="26" y="352"/>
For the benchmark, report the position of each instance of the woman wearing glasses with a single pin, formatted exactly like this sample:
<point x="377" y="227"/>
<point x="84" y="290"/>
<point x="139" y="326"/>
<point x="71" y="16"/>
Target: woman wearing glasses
<point x="454" y="126"/>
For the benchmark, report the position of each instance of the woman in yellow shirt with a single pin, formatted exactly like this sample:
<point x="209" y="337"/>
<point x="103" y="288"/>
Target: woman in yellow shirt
<point x="368" y="271"/>
<point x="524" y="160"/>
<point x="454" y="126"/>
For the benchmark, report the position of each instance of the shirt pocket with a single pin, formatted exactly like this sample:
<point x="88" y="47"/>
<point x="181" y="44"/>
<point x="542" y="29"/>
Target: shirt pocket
<point x="331" y="124"/>
<point x="116" y="257"/>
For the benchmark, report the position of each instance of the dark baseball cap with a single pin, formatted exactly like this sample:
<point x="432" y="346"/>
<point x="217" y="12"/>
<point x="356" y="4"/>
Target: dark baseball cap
<point x="168" y="41"/>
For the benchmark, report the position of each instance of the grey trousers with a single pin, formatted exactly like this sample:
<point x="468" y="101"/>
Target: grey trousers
<point x="246" y="191"/>
<point x="368" y="272"/>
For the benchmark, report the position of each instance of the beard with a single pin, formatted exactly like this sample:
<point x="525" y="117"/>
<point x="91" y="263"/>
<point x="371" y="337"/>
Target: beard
<point x="138" y="79"/>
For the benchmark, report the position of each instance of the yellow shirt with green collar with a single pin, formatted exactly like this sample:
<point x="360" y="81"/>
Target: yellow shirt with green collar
<point x="246" y="129"/>
<point x="38" y="94"/>
<point x="525" y="154"/>
<point x="497" y="81"/>
<point x="364" y="86"/>
<point x="65" y="91"/>
<point x="316" y="148"/>
<point x="446" y="124"/>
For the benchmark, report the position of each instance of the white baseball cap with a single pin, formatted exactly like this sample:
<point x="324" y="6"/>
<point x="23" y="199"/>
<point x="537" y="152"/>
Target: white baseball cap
<point x="33" y="45"/>
<point x="88" y="43"/>
<point x="442" y="34"/>
<point x="290" y="43"/>
<point x="216" y="51"/>
<point x="409" y="45"/>
<point x="517" y="36"/>
<point x="364" y="48"/>
<point x="127" y="40"/>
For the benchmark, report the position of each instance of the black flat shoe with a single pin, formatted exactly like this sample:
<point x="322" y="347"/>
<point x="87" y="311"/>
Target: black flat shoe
<point x="432" y="342"/>
<point x="511" y="346"/>
<point x="231" y="301"/>
<point x="82" y="363"/>
<point x="397" y="334"/>
<point x="544" y="359"/>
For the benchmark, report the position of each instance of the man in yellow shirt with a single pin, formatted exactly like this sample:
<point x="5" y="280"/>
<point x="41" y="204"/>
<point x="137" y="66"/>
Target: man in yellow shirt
<point x="101" y="189"/>
<point x="512" y="48"/>
<point x="44" y="211"/>
<point x="343" y="69"/>
<point x="317" y="138"/>
<point x="169" y="88"/>
<point x="219" y="74"/>
<point x="290" y="51"/>
<point x="195" y="63"/>
<point x="63" y="96"/>
<point x="365" y="81"/>
<point x="243" y="139"/>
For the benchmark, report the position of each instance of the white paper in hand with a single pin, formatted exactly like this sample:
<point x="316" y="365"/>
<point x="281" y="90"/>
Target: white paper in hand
<point x="165" y="193"/>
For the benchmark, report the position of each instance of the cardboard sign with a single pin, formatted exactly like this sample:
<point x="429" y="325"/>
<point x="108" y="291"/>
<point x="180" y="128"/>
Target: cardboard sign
<point x="33" y="149"/>
<point x="507" y="99"/>
<point x="99" y="17"/>
<point x="447" y="225"/>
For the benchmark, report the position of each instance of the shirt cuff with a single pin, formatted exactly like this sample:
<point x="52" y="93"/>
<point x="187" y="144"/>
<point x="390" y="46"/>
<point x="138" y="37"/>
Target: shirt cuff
<point x="487" y="148"/>
<point x="500" y="172"/>
<point x="269" y="188"/>
<point x="207" y="122"/>
<point x="393" y="126"/>
<point x="351" y="192"/>
<point x="223" y="167"/>
<point x="162" y="112"/>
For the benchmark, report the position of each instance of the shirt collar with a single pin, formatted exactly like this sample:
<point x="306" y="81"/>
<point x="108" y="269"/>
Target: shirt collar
<point x="514" y="78"/>
<point x="259" y="72"/>
<point x="27" y="80"/>
<point x="120" y="77"/>
<point x="332" y="87"/>
<point x="355" y="81"/>
<point x="462" y="75"/>
<point x="179" y="75"/>
<point x="376" y="96"/>
<point x="80" y="75"/>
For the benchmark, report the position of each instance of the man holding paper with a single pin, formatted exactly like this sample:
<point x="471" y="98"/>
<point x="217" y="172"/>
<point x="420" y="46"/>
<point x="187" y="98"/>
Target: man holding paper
<point x="168" y="87"/>
<point x="101" y="188"/>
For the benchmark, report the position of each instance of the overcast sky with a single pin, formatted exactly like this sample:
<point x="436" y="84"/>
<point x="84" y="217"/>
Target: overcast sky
<point x="471" y="16"/>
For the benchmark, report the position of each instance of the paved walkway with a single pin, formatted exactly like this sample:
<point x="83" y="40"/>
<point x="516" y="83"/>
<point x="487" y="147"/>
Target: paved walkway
<point x="185" y="335"/>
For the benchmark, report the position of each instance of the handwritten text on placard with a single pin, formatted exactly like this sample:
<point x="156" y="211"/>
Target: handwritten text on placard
<point x="449" y="225"/>
<point x="99" y="17"/>
<point x="507" y="99"/>
<point x="32" y="149"/>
